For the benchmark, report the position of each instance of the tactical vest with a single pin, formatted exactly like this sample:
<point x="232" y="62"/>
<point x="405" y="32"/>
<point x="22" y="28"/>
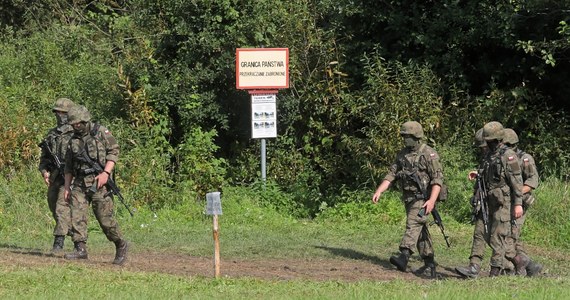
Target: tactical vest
<point x="415" y="182"/>
<point x="493" y="170"/>
<point x="95" y="149"/>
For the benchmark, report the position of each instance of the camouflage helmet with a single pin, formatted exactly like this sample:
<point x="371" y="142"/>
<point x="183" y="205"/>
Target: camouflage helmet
<point x="63" y="104"/>
<point x="510" y="136"/>
<point x="479" y="140"/>
<point x="78" y="113"/>
<point x="412" y="128"/>
<point x="493" y="131"/>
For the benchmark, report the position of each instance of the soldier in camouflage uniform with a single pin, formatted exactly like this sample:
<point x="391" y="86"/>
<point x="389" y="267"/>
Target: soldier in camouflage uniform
<point x="479" y="242"/>
<point x="530" y="182"/>
<point x="417" y="164"/>
<point x="92" y="143"/>
<point x="502" y="177"/>
<point x="57" y="139"/>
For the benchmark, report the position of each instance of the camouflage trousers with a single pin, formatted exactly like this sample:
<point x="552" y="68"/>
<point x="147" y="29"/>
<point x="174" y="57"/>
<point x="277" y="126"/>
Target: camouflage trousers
<point x="500" y="236"/>
<point x="58" y="207"/>
<point x="519" y="248"/>
<point x="417" y="234"/>
<point x="103" y="209"/>
<point x="479" y="242"/>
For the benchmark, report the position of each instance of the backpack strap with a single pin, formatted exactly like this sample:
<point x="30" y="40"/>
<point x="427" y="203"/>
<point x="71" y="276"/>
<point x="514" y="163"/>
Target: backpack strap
<point x="93" y="133"/>
<point x="95" y="129"/>
<point x="419" y="156"/>
<point x="520" y="153"/>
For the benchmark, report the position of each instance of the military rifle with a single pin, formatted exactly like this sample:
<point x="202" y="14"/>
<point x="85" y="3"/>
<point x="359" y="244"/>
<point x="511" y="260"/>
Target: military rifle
<point x="96" y="168"/>
<point x="479" y="203"/>
<point x="58" y="164"/>
<point x="434" y="212"/>
<point x="436" y="220"/>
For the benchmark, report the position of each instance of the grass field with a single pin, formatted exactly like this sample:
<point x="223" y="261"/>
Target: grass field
<point x="253" y="234"/>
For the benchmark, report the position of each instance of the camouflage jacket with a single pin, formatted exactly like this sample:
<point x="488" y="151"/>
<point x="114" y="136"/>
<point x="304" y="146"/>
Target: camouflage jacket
<point x="99" y="145"/>
<point x="528" y="168"/>
<point x="423" y="162"/>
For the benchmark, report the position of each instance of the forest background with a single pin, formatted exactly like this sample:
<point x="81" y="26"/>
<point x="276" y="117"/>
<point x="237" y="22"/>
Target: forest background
<point x="161" y="75"/>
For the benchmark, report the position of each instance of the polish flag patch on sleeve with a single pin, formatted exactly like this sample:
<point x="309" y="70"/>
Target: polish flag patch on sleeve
<point x="107" y="131"/>
<point x="511" y="157"/>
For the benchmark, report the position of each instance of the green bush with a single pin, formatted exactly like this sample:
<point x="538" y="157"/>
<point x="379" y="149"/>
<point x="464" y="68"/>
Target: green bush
<point x="143" y="169"/>
<point x="456" y="165"/>
<point x="19" y="134"/>
<point x="160" y="75"/>
<point x="36" y="70"/>
<point x="545" y="137"/>
<point x="394" y="93"/>
<point x="198" y="169"/>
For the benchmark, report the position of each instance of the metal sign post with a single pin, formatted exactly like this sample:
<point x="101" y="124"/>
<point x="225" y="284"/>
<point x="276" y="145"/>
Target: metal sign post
<point x="214" y="208"/>
<point x="263" y="161"/>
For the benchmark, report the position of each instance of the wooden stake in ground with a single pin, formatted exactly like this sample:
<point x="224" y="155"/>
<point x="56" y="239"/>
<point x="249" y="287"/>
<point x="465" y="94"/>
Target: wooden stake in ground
<point x="214" y="208"/>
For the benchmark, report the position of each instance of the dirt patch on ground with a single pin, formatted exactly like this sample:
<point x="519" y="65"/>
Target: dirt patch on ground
<point x="341" y="269"/>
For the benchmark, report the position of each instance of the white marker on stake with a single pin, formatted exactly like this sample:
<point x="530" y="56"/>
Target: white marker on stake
<point x="214" y="208"/>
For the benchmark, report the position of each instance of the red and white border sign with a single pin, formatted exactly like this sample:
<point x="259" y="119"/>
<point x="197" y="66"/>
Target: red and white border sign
<point x="262" y="68"/>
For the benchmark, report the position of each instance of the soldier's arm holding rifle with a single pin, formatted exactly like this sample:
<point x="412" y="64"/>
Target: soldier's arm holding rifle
<point x="103" y="177"/>
<point x="429" y="206"/>
<point x="47" y="159"/>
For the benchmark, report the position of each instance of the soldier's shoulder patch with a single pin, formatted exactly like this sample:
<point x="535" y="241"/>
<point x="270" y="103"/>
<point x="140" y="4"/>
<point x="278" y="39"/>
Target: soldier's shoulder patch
<point x="511" y="158"/>
<point x="107" y="131"/>
<point x="432" y="155"/>
<point x="525" y="159"/>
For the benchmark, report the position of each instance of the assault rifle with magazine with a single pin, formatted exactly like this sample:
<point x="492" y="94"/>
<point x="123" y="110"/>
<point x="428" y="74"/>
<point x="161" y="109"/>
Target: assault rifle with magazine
<point x="97" y="169"/>
<point x="479" y="203"/>
<point x="58" y="164"/>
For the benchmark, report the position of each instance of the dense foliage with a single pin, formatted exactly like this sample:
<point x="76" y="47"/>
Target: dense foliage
<point x="160" y="74"/>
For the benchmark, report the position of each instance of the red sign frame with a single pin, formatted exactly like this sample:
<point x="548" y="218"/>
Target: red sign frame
<point x="259" y="68"/>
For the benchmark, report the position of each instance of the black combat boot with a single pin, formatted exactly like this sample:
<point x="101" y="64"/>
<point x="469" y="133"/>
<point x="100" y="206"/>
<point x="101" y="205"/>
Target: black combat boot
<point x="428" y="269"/>
<point x="508" y="268"/>
<point x="58" y="243"/>
<point x="121" y="247"/>
<point x="533" y="269"/>
<point x="507" y="272"/>
<point x="79" y="251"/>
<point x="471" y="271"/>
<point x="401" y="261"/>
<point x="521" y="261"/>
<point x="495" y="271"/>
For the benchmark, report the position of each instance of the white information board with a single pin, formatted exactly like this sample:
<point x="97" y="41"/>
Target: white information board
<point x="263" y="116"/>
